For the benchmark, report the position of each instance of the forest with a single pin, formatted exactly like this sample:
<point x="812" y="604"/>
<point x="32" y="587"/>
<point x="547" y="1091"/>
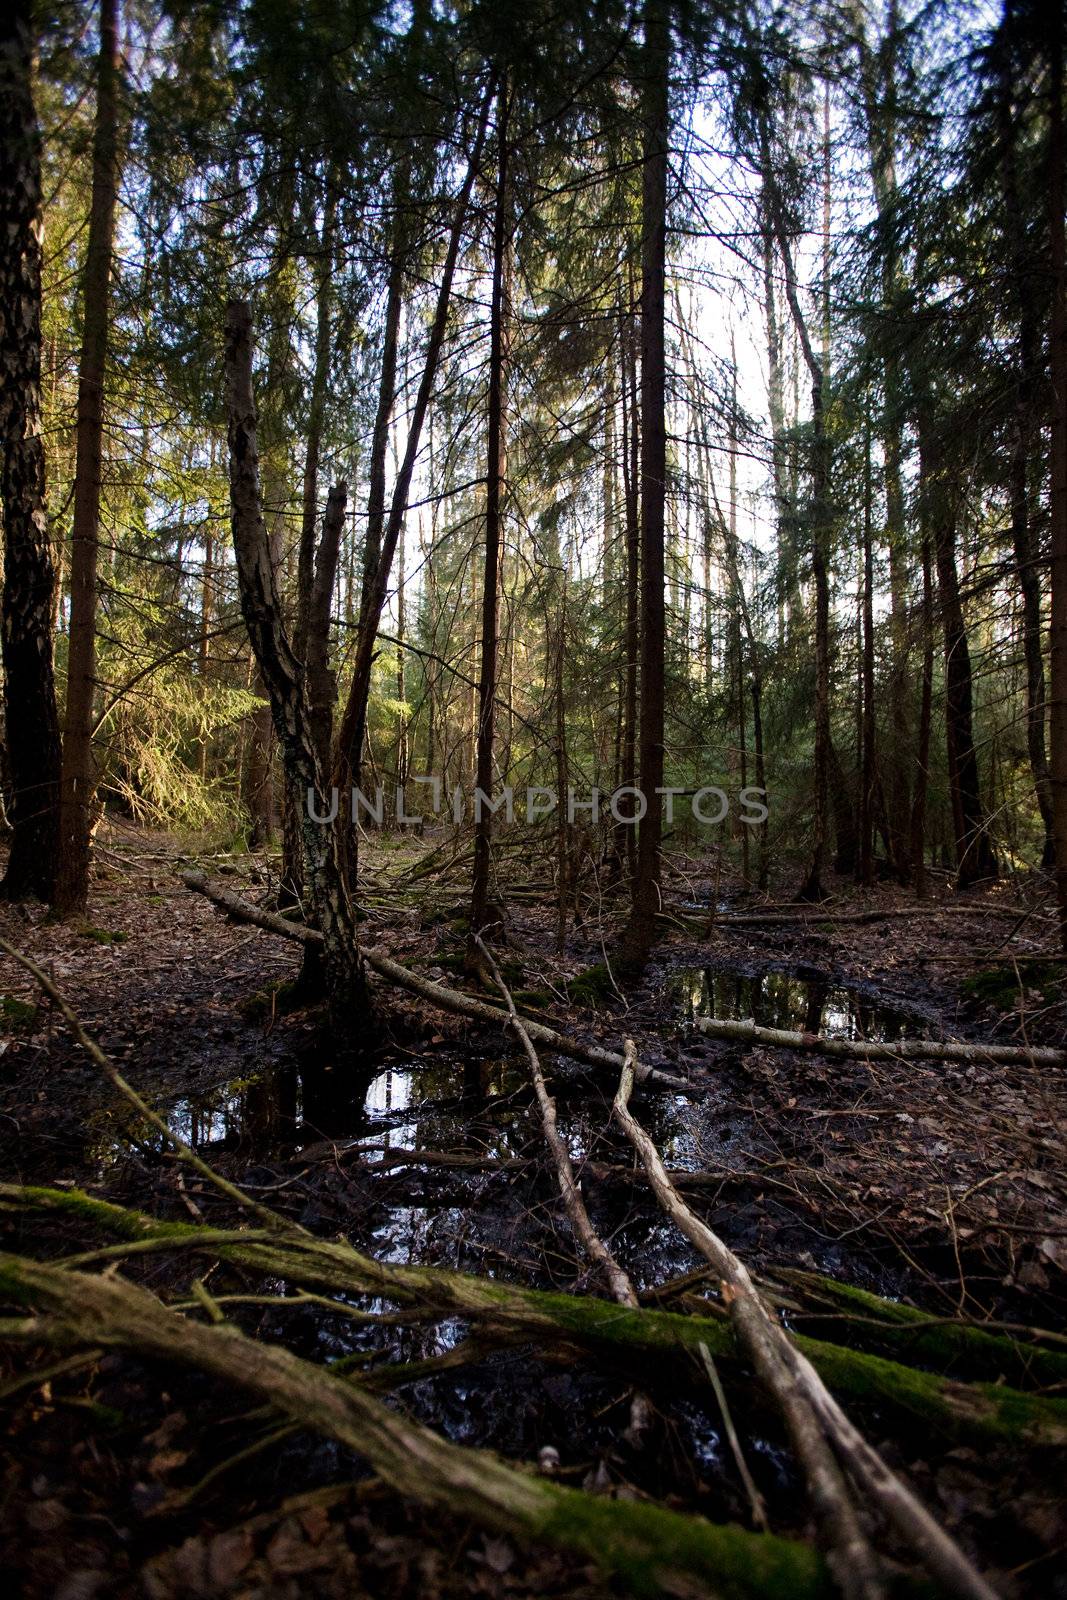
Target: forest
<point x="533" y="799"/>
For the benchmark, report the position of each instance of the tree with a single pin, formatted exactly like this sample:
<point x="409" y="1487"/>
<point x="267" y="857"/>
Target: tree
<point x="348" y="993"/>
<point x="655" y="118"/>
<point x="1057" y="201"/>
<point x="79" y="776"/>
<point x="31" y="719"/>
<point x="496" y="469"/>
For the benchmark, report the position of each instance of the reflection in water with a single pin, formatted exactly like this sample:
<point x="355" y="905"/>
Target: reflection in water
<point x="507" y="1222"/>
<point x="783" y="1000"/>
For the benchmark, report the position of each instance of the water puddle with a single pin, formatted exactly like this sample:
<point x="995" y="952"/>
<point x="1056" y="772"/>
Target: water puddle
<point x="500" y="1215"/>
<point x="800" y="1000"/>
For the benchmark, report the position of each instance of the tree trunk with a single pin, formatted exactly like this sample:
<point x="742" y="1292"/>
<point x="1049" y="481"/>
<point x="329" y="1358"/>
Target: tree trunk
<point x="206" y="608"/>
<point x="867" y="735"/>
<point x="922" y="760"/>
<point x="812" y="888"/>
<point x="878" y="85"/>
<point x="1057" y="192"/>
<point x="292" y="875"/>
<point x="332" y="911"/>
<point x="631" y="434"/>
<point x="495" y="491"/>
<point x="1022" y="446"/>
<point x="31" y="718"/>
<point x="78" y="785"/>
<point x="349" y="742"/>
<point x="974" y="855"/>
<point x="640" y="930"/>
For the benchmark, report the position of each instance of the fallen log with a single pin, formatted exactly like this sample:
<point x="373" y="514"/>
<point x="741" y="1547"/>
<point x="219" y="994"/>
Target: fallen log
<point x="284" y="1248"/>
<point x="648" y="1548"/>
<point x="811" y="914"/>
<point x="436" y="994"/>
<point x="826" y="1442"/>
<point x="920" y="1402"/>
<point x="984" y="1351"/>
<point x="747" y="1032"/>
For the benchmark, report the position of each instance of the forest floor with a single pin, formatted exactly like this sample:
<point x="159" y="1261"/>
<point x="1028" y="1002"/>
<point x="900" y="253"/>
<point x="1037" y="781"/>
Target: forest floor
<point x="937" y="1184"/>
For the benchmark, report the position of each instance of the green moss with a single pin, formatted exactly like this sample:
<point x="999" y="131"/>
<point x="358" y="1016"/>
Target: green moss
<point x="1000" y="986"/>
<point x="921" y="1402"/>
<point x="533" y="999"/>
<point x="18" y="1015"/>
<point x="592" y="988"/>
<point x="656" y="1551"/>
<point x="115" y="1220"/>
<point x="278" y="999"/>
<point x="101" y="935"/>
<point x="908" y="1332"/>
<point x="987" y="1411"/>
<point x="156" y="900"/>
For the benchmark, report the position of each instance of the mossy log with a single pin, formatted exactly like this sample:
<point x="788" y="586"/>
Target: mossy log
<point x="918" y="1401"/>
<point x="650" y="1549"/>
<point x="936" y="1341"/>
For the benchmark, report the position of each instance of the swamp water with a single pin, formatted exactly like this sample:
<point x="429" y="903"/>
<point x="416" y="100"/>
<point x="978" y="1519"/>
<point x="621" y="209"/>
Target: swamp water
<point x="503" y="1218"/>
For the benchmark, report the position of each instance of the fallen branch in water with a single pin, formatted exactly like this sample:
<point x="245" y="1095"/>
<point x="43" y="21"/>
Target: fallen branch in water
<point x="649" y="1548"/>
<point x="919" y="1402"/>
<point x="850" y="1557"/>
<point x="813" y="1418"/>
<point x="877" y="1050"/>
<point x="617" y="1281"/>
<point x="436" y="993"/>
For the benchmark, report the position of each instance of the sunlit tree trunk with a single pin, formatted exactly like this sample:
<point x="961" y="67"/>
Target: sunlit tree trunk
<point x="78" y="786"/>
<point x="331" y="909"/>
<point x="31" y="719"/>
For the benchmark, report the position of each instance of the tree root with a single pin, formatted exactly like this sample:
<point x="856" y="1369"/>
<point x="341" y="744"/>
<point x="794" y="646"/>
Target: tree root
<point x="437" y="994"/>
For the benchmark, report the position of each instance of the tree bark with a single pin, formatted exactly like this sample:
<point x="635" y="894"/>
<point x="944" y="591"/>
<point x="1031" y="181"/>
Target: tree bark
<point x="78" y="786"/>
<point x="867" y="723"/>
<point x="1057" y="192"/>
<point x="1024" y="542"/>
<point x="291" y="886"/>
<point x="631" y="436"/>
<point x="975" y="859"/>
<point x="495" y="493"/>
<point x="31" y="717"/>
<point x="347" y="989"/>
<point x="640" y="929"/>
<point x="922" y="758"/>
<point x="812" y="888"/>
